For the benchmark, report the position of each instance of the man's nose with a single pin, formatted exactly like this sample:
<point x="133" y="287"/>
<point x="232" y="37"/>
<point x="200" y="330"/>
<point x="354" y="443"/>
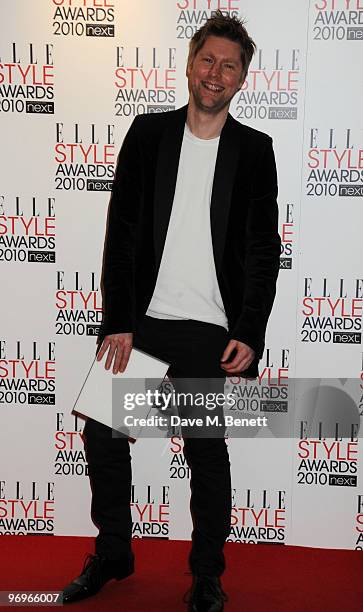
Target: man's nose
<point x="215" y="70"/>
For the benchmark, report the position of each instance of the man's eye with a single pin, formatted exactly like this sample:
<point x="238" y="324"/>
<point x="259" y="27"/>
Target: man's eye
<point x="207" y="59"/>
<point x="229" y="66"/>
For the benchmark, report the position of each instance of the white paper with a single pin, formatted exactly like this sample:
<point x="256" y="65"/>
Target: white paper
<point x="95" y="397"/>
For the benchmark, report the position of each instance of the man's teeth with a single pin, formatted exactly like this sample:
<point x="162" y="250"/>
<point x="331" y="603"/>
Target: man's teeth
<point x="213" y="87"/>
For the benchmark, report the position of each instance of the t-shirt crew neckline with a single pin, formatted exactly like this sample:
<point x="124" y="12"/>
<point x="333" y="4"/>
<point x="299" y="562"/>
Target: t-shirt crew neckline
<point x="201" y="141"/>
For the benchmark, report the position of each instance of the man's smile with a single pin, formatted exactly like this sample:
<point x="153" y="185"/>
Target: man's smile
<point x="212" y="87"/>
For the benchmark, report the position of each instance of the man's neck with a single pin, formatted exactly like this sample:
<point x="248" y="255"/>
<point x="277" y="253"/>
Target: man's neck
<point x="205" y="125"/>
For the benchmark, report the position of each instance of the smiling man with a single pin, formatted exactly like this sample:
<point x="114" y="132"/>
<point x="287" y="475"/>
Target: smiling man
<point x="214" y="74"/>
<point x="190" y="267"/>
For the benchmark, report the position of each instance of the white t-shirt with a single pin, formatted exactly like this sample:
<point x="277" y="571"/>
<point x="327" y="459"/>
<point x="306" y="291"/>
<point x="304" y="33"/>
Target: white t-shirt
<point x="187" y="286"/>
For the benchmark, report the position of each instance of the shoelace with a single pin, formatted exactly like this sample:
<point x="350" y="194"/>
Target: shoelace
<point x="89" y="564"/>
<point x="89" y="561"/>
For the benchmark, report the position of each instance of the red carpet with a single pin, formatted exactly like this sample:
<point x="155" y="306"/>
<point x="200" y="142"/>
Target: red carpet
<point x="259" y="577"/>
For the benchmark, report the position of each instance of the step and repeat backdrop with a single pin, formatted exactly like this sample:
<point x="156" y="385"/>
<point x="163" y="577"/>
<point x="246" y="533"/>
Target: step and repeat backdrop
<point x="73" y="75"/>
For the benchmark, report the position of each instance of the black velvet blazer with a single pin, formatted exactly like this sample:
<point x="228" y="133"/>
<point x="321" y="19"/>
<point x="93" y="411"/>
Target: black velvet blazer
<point x="244" y="224"/>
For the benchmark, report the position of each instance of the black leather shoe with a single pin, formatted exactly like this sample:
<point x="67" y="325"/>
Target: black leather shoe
<point x="96" y="572"/>
<point x="206" y="595"/>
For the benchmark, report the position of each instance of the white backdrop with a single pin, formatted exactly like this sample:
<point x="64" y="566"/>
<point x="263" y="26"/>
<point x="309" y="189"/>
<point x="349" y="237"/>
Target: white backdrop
<point x="73" y="74"/>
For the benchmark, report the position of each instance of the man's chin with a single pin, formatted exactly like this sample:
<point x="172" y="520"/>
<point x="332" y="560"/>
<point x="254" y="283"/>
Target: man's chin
<point x="212" y="108"/>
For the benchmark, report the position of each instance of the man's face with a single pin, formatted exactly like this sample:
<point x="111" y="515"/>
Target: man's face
<point x="215" y="74"/>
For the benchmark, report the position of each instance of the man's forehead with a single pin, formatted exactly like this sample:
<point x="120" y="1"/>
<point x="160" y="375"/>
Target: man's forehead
<point x="218" y="45"/>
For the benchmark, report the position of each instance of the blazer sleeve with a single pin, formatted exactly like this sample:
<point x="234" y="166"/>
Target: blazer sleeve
<point x="118" y="274"/>
<point x="262" y="254"/>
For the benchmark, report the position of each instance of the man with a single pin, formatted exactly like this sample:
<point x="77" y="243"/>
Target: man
<point x="190" y="267"/>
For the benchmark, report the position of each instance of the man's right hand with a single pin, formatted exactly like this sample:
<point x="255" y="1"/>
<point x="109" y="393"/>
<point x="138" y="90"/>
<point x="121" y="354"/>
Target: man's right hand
<point x="119" y="348"/>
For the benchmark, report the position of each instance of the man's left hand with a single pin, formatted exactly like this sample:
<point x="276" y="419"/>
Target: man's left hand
<point x="242" y="359"/>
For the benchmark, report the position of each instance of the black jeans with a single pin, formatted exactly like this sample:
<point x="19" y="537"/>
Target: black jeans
<point x="194" y="350"/>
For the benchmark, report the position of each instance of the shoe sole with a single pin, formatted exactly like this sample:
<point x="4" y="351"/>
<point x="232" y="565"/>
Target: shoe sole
<point x="81" y="596"/>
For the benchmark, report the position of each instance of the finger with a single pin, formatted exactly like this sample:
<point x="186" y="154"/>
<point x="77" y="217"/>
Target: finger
<point x="233" y="371"/>
<point x="228" y="367"/>
<point x="242" y="365"/>
<point x="239" y="361"/>
<point x="125" y="357"/>
<point x="228" y="350"/>
<point x="120" y="352"/>
<point x="246" y="364"/>
<point x="118" y="356"/>
<point x="111" y="352"/>
<point x="232" y="368"/>
<point x="240" y="354"/>
<point x="103" y="349"/>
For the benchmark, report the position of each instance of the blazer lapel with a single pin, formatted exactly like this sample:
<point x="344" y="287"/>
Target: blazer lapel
<point x="224" y="176"/>
<point x="166" y="175"/>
